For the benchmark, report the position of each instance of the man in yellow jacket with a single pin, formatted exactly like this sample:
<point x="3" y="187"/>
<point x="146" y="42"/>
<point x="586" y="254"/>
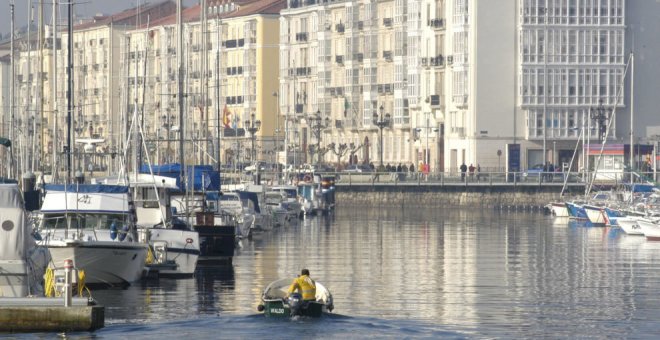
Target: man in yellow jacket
<point x="304" y="285"/>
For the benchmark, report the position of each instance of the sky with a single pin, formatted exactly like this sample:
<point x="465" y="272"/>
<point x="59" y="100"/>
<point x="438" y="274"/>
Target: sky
<point x="84" y="8"/>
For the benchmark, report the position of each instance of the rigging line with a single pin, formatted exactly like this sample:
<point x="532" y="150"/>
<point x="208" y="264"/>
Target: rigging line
<point x="609" y="125"/>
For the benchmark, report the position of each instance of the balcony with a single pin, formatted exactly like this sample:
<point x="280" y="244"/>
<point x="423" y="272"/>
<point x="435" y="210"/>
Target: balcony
<point x="229" y="43"/>
<point x="436" y="23"/>
<point x="359" y="57"/>
<point x="387" y="22"/>
<point x="450" y="60"/>
<point x="339" y="59"/>
<point x="438" y="61"/>
<point x="387" y="88"/>
<point x="387" y="55"/>
<point x="302" y="36"/>
<point x="425" y="61"/>
<point x="303" y="71"/>
<point x="340" y="28"/>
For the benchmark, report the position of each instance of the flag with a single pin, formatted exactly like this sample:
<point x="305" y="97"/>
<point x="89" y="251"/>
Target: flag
<point x="226" y="116"/>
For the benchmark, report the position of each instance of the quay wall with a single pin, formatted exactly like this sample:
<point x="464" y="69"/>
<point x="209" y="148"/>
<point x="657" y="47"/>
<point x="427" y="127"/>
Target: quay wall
<point x="512" y="197"/>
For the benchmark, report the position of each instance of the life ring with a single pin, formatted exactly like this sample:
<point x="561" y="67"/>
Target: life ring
<point x="307" y="178"/>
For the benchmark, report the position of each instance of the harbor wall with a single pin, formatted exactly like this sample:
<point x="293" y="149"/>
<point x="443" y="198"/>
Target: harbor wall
<point x="512" y="197"/>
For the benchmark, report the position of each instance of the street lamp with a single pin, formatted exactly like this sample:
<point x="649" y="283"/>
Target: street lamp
<point x="252" y="126"/>
<point x="601" y="115"/>
<point x="381" y="121"/>
<point x="318" y="124"/>
<point x="428" y="128"/>
<point x="277" y="127"/>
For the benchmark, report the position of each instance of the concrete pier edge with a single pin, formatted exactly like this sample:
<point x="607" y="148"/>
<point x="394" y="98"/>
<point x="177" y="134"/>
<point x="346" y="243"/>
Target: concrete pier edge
<point x="19" y="319"/>
<point x="485" y="196"/>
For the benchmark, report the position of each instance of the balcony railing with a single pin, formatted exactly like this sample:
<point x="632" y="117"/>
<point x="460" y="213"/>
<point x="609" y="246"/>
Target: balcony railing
<point x="437" y="61"/>
<point x="302" y="36"/>
<point x="436" y="23"/>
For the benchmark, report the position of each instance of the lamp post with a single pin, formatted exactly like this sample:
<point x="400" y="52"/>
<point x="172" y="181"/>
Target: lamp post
<point x="252" y="126"/>
<point x="427" y="153"/>
<point x="318" y="124"/>
<point x="601" y="115"/>
<point x="381" y="120"/>
<point x="277" y="127"/>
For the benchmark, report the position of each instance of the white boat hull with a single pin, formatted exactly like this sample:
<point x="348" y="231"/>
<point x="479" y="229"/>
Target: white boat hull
<point x="650" y="228"/>
<point x="629" y="225"/>
<point x="596" y="215"/>
<point x="559" y="209"/>
<point x="14" y="280"/>
<point x="104" y="262"/>
<point x="181" y="248"/>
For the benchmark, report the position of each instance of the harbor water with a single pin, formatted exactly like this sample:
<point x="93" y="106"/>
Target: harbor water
<point x="454" y="273"/>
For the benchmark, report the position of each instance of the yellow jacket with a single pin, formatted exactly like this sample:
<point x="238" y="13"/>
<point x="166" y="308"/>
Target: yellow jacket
<point x="306" y="286"/>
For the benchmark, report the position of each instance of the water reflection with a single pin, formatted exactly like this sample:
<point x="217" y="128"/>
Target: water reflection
<point x="478" y="272"/>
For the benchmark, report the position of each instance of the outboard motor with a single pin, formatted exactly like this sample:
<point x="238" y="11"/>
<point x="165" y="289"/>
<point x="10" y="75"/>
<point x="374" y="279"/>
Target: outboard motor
<point x="295" y="302"/>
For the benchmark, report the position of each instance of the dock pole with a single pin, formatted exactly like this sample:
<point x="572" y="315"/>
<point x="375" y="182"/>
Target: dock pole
<point x="68" y="266"/>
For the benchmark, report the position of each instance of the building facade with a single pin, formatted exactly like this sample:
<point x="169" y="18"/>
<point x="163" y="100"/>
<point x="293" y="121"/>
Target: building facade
<point x="229" y="82"/>
<point x="463" y="81"/>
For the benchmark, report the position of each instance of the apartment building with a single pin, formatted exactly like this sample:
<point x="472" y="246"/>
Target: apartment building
<point x="40" y="90"/>
<point x="342" y="64"/>
<point x="229" y="80"/>
<point x="499" y="84"/>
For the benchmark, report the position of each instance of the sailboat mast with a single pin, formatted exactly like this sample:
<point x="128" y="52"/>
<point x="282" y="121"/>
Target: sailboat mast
<point x="40" y="88"/>
<point x="54" y="168"/>
<point x="217" y="92"/>
<point x="25" y="155"/>
<point x="632" y="115"/>
<point x="69" y="95"/>
<point x="11" y="94"/>
<point x="179" y="57"/>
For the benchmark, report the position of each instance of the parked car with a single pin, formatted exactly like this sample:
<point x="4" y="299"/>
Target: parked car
<point x="325" y="168"/>
<point x="357" y="168"/>
<point x="253" y="167"/>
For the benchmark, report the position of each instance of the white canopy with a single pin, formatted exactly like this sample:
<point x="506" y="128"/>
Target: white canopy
<point x="61" y="202"/>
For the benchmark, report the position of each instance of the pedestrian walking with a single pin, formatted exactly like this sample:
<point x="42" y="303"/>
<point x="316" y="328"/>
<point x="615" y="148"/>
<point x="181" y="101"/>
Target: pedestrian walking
<point x="463" y="169"/>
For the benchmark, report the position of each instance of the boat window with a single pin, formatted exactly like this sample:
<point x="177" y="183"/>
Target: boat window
<point x="98" y="221"/>
<point x="148" y="198"/>
<point x="53" y="222"/>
